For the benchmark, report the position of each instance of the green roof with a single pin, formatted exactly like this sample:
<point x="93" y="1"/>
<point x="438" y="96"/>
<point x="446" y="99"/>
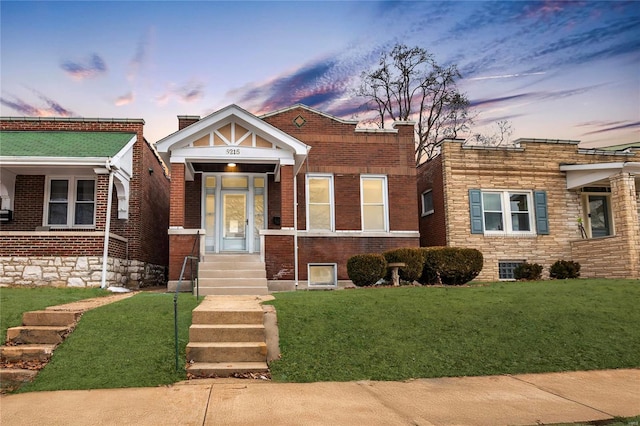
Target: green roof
<point x="621" y="147"/>
<point x="62" y="144"/>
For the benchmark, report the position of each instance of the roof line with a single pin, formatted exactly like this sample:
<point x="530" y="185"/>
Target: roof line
<point x="76" y="119"/>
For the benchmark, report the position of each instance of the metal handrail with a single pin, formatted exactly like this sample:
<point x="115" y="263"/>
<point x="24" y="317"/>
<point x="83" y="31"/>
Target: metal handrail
<point x="190" y="257"/>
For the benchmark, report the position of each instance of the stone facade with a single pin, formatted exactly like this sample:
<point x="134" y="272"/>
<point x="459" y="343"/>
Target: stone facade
<point x="535" y="165"/>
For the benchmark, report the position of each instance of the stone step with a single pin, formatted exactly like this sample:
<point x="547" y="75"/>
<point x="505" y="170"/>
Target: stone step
<point x="227" y="317"/>
<point x="13" y="378"/>
<point x="41" y="353"/>
<point x="227" y="291"/>
<point x="231" y="258"/>
<point x="232" y="282"/>
<point x="225" y="369"/>
<point x="226" y="333"/>
<point x="230" y="266"/>
<point x="51" y="318"/>
<point x="37" y="334"/>
<point x="226" y="352"/>
<point x="232" y="273"/>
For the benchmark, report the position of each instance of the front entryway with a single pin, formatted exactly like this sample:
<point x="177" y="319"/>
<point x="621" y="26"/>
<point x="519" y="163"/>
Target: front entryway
<point x="234" y="212"/>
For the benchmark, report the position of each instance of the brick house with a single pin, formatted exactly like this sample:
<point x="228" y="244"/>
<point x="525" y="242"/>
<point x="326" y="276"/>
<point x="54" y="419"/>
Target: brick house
<point x="74" y="190"/>
<point x="527" y="202"/>
<point x="237" y="178"/>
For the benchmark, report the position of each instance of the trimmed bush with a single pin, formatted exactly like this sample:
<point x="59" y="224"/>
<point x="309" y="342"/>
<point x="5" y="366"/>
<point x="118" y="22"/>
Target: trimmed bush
<point x="528" y="271"/>
<point x="450" y="265"/>
<point x="564" y="269"/>
<point x="413" y="259"/>
<point x="366" y="269"/>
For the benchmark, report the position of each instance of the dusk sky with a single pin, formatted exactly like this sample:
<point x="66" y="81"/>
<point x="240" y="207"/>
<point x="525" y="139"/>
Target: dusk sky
<point x="554" y="69"/>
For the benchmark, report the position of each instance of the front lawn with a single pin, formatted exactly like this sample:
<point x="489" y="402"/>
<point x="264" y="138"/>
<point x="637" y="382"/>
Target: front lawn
<point x="16" y="300"/>
<point x="129" y="343"/>
<point x="500" y="328"/>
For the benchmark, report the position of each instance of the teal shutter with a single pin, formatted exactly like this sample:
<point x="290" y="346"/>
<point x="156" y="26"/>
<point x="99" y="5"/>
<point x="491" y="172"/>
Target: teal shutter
<point x="542" y="216"/>
<point x="475" y="210"/>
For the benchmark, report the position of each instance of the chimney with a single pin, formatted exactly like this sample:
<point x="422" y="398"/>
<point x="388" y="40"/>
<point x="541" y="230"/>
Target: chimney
<point x="187" y="120"/>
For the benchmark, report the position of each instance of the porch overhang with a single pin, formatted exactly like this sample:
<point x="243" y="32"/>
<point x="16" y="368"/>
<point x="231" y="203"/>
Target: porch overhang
<point x="580" y="175"/>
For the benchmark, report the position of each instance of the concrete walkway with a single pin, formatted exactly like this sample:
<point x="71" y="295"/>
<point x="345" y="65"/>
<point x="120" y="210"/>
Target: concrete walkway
<point x="527" y="399"/>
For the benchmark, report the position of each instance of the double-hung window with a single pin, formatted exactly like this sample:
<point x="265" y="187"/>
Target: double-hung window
<point x="508" y="212"/>
<point x="375" y="209"/>
<point x="70" y="202"/>
<point x="427" y="202"/>
<point x="320" y="205"/>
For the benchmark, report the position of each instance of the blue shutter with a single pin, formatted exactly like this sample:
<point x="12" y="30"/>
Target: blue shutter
<point x="542" y="216"/>
<point x="475" y="210"/>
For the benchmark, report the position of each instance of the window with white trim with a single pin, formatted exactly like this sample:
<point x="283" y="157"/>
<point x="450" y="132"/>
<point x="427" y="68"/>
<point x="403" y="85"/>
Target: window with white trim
<point x="70" y="202"/>
<point x="509" y="212"/>
<point x="320" y="204"/>
<point x="427" y="202"/>
<point x="375" y="210"/>
<point x="322" y="274"/>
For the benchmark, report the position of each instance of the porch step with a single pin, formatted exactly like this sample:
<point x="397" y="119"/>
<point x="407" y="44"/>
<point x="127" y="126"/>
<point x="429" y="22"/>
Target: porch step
<point x="225" y="369"/>
<point x="206" y="271"/>
<point x="226" y="332"/>
<point x="38" y="353"/>
<point x="13" y="378"/>
<point x="232" y="274"/>
<point x="240" y="316"/>
<point x="232" y="258"/>
<point x="227" y="351"/>
<point x="230" y="291"/>
<point x="37" y="334"/>
<point x="51" y="318"/>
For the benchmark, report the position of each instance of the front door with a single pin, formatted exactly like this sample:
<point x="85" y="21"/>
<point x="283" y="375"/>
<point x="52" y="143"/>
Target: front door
<point x="599" y="216"/>
<point x="234" y="221"/>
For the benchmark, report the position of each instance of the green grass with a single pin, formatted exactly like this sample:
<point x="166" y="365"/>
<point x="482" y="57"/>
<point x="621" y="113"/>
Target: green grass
<point x="501" y="328"/>
<point x="14" y="301"/>
<point x="129" y="343"/>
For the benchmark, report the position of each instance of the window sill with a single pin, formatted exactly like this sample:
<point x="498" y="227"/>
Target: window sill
<point x="511" y="234"/>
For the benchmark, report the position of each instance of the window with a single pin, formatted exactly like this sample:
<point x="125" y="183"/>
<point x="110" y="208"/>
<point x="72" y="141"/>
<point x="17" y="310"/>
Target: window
<point x="598" y="215"/>
<point x="427" y="202"/>
<point x="322" y="274"/>
<point x="70" y="202"/>
<point x="320" y="203"/>
<point x="506" y="269"/>
<point x="508" y="212"/>
<point x="373" y="192"/>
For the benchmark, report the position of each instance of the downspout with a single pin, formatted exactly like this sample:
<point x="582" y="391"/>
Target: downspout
<point x="295" y="229"/>
<point x="107" y="227"/>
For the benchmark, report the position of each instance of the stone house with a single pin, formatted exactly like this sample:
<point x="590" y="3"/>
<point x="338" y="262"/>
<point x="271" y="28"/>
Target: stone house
<point x="538" y="201"/>
<point x="85" y="202"/>
<point x="297" y="189"/>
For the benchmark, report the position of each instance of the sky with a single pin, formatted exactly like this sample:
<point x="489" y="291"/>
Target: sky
<point x="552" y="69"/>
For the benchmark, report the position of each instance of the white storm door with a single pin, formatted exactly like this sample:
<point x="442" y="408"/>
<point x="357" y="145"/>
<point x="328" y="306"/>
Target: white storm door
<point x="235" y="222"/>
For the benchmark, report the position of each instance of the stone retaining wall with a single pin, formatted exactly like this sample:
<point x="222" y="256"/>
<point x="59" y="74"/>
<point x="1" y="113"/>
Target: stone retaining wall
<point x="78" y="271"/>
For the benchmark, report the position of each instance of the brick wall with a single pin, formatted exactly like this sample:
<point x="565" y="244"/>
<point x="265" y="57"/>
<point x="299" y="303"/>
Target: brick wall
<point x="181" y="246"/>
<point x="279" y="258"/>
<point x="193" y="202"/>
<point x="28" y="204"/>
<point x="536" y="166"/>
<point x="432" y="227"/>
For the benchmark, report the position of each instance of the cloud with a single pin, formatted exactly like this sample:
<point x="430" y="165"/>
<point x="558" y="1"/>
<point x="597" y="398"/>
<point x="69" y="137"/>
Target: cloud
<point x="524" y="74"/>
<point x="140" y="56"/>
<point x="51" y="108"/>
<point x="125" y="99"/>
<point x="503" y="99"/>
<point x="89" y="68"/>
<point x="189" y="92"/>
<point x="612" y="126"/>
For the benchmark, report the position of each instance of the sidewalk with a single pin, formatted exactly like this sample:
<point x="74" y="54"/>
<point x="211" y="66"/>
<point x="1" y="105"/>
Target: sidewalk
<point x="527" y="399"/>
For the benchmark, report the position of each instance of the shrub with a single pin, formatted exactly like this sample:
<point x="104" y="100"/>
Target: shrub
<point x="563" y="269"/>
<point x="413" y="259"/>
<point x="528" y="271"/>
<point x="450" y="265"/>
<point x="366" y="269"/>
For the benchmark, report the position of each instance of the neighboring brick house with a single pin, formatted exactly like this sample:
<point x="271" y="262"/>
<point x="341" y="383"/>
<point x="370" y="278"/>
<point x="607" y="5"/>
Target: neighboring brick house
<point x="526" y="202"/>
<point x="57" y="176"/>
<point x="237" y="178"/>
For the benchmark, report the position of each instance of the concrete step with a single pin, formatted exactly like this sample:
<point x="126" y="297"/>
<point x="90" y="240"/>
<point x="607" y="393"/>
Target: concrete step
<point x="225" y="369"/>
<point x="37" y="334"/>
<point x="227" y="291"/>
<point x="51" y="318"/>
<point x="232" y="273"/>
<point x="226" y="352"/>
<point x="231" y="258"/>
<point x="227" y="317"/>
<point x="13" y="378"/>
<point x="226" y="333"/>
<point x="41" y="353"/>
<point x="230" y="266"/>
<point x="232" y="282"/>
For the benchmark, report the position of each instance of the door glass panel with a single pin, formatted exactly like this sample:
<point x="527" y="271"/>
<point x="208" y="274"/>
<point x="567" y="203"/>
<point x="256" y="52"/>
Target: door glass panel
<point x="235" y="182"/>
<point x="599" y="216"/>
<point x="234" y="215"/>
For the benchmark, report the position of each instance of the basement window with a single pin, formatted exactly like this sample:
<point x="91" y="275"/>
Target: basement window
<point x="322" y="274"/>
<point x="506" y="269"/>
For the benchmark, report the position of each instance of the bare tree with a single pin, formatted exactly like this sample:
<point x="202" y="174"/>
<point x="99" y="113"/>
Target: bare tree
<point x="408" y="85"/>
<point x="500" y="137"/>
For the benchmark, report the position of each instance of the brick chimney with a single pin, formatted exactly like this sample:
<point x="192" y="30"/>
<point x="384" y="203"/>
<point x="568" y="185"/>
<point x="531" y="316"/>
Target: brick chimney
<point x="187" y="120"/>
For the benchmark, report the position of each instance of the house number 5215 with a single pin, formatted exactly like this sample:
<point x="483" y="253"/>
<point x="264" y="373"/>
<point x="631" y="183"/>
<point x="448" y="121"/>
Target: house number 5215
<point x="233" y="151"/>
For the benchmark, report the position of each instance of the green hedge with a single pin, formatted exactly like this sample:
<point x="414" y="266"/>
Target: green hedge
<point x="450" y="265"/>
<point x="564" y="269"/>
<point x="366" y="269"/>
<point x="528" y="271"/>
<point x="413" y="259"/>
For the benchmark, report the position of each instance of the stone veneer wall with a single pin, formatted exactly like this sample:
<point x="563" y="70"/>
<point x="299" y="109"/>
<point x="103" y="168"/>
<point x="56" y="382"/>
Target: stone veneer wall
<point x="533" y="166"/>
<point x="78" y="271"/>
